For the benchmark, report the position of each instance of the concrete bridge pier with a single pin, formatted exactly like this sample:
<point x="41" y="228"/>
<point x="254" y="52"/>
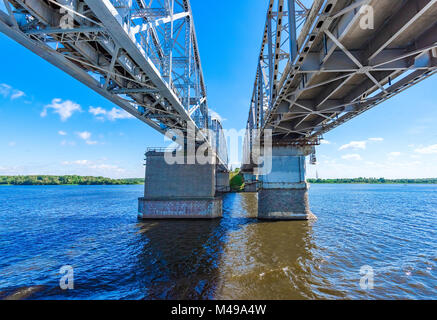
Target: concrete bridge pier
<point x="222" y="181"/>
<point x="250" y="182"/>
<point x="284" y="191"/>
<point x="179" y="191"/>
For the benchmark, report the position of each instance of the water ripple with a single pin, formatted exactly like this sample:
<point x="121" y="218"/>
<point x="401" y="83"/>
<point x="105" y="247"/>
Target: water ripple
<point x="114" y="256"/>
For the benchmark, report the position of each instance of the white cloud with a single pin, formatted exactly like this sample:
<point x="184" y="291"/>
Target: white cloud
<point x="215" y="115"/>
<point x="427" y="150"/>
<point x="394" y="154"/>
<point x="111" y="115"/>
<point x="77" y="162"/>
<point x="65" y="109"/>
<point x="12" y="144"/>
<point x="115" y="114"/>
<point x="62" y="133"/>
<point x="97" y="111"/>
<point x="17" y="94"/>
<point x="376" y="139"/>
<point x="354" y="145"/>
<point x="325" y="142"/>
<point x="7" y="91"/>
<point x="100" y="166"/>
<point x="85" y="135"/>
<point x="354" y="156"/>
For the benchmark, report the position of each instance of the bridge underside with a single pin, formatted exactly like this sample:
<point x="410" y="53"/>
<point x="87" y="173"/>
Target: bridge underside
<point x="350" y="56"/>
<point x="141" y="55"/>
<point x="346" y="66"/>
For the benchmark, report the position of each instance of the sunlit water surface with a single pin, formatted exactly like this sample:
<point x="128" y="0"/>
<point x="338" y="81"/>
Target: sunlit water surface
<point x="94" y="229"/>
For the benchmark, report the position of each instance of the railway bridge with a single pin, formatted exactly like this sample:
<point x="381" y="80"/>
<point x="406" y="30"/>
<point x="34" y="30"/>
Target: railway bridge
<point x="320" y="66"/>
<point x="321" y="63"/>
<point x="142" y="56"/>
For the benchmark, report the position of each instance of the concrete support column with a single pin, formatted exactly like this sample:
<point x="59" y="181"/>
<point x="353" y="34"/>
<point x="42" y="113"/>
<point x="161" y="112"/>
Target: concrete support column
<point x="250" y="182"/>
<point x="284" y="192"/>
<point x="222" y="181"/>
<point x="178" y="190"/>
<point x="248" y="177"/>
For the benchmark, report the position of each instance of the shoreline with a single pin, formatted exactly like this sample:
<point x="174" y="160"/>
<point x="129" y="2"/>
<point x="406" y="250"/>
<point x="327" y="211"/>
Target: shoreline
<point x="54" y="185"/>
<point x="235" y="191"/>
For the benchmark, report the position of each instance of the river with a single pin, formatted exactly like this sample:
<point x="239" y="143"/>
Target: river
<point x="390" y="230"/>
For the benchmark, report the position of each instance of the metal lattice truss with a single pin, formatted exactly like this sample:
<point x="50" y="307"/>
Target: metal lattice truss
<point x="142" y="55"/>
<point x="337" y="67"/>
<point x="219" y="140"/>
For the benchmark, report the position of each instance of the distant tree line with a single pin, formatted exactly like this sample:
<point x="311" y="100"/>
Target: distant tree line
<point x="65" y="180"/>
<point x="376" y="181"/>
<point x="236" y="180"/>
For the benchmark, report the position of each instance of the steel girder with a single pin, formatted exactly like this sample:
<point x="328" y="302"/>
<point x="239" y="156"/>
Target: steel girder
<point x="141" y="55"/>
<point x="334" y="70"/>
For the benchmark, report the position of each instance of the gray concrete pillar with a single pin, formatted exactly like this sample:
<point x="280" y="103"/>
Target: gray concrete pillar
<point x="250" y="182"/>
<point x="178" y="190"/>
<point x="248" y="177"/>
<point x="283" y="194"/>
<point x="222" y="181"/>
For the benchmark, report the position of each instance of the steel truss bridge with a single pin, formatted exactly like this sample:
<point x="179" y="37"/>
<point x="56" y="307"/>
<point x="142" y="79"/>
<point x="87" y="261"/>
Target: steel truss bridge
<point x="319" y="66"/>
<point x="142" y="55"/>
<point x="322" y="65"/>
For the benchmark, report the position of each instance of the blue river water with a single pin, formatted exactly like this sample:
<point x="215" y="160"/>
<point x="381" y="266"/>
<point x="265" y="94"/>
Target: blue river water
<point x="390" y="229"/>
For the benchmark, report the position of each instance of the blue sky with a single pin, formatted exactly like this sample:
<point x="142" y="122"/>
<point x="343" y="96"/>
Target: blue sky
<point x="46" y="126"/>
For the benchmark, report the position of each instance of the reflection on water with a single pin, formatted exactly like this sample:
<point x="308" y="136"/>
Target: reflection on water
<point x="114" y="256"/>
<point x="268" y="260"/>
<point x="178" y="260"/>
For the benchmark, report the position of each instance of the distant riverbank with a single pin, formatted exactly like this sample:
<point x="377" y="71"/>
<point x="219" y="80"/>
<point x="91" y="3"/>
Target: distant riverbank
<point x="236" y="181"/>
<point x="65" y="180"/>
<point x="374" y="181"/>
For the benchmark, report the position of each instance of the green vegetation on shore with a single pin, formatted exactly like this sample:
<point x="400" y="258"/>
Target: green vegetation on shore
<point x="236" y="180"/>
<point x="65" y="180"/>
<point x="375" y="181"/>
